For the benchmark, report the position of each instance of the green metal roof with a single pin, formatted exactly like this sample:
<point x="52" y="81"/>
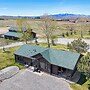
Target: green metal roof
<point x="16" y="29"/>
<point x="61" y="58"/>
<point x="14" y="34"/>
<point x="13" y="28"/>
<point x="29" y="51"/>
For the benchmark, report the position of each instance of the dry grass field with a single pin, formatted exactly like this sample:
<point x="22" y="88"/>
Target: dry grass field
<point x="63" y="27"/>
<point x="4" y="29"/>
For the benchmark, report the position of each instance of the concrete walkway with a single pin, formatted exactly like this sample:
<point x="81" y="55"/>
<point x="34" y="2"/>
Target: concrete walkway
<point x="13" y="45"/>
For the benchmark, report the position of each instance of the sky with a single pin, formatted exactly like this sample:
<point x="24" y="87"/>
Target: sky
<point x="40" y="7"/>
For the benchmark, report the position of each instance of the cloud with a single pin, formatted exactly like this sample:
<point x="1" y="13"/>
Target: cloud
<point x="4" y="8"/>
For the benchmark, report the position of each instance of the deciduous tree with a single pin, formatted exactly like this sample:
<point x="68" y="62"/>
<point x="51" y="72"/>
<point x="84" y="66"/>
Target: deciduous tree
<point x="25" y="29"/>
<point x="48" y="26"/>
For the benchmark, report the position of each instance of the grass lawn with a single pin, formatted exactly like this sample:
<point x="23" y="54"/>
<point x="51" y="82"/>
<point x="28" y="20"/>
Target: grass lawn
<point x="57" y="46"/>
<point x="82" y="84"/>
<point x="87" y="84"/>
<point x="6" y="41"/>
<point x="78" y="87"/>
<point x="7" y="58"/>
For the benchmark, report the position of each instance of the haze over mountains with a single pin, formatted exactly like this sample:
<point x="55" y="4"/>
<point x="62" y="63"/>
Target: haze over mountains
<point x="66" y="15"/>
<point x="56" y="16"/>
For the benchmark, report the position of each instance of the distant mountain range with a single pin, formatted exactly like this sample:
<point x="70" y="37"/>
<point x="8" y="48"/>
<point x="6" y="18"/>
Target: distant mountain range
<point x="67" y="16"/>
<point x="55" y="16"/>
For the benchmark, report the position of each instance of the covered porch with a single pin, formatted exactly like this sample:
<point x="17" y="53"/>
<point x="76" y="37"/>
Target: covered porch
<point x="39" y="63"/>
<point x="61" y="71"/>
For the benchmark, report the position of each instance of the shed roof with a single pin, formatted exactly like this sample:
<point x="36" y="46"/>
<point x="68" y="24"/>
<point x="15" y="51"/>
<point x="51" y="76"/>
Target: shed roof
<point x="16" y="29"/>
<point x="14" y="34"/>
<point x="13" y="28"/>
<point x="61" y="58"/>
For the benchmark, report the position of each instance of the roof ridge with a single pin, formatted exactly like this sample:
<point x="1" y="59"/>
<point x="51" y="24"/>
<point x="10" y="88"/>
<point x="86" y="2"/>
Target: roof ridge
<point x="47" y="50"/>
<point x="50" y="51"/>
<point x="49" y="54"/>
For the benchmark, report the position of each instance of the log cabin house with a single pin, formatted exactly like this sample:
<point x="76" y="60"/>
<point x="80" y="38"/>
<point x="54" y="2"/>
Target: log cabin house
<point x="48" y="60"/>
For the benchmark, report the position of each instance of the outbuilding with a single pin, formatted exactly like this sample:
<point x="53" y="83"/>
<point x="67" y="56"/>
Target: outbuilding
<point x="14" y="34"/>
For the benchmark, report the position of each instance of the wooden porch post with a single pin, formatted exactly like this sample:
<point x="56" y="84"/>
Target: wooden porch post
<point x="73" y="72"/>
<point x="51" y="69"/>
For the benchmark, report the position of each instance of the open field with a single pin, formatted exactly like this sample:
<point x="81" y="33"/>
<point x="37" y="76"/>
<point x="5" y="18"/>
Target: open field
<point x="6" y="23"/>
<point x="4" y="30"/>
<point x="63" y="27"/>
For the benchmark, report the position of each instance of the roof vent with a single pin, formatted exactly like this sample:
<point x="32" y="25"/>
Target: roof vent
<point x="34" y="50"/>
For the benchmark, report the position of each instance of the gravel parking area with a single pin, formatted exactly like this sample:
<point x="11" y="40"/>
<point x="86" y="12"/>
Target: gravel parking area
<point x="27" y="80"/>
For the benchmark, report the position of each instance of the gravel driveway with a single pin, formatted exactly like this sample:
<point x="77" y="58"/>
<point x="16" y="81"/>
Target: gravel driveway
<point x="26" y="80"/>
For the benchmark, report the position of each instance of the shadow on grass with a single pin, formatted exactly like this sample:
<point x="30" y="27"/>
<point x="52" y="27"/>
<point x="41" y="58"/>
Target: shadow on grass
<point x="89" y="86"/>
<point x="6" y="52"/>
<point x="82" y="79"/>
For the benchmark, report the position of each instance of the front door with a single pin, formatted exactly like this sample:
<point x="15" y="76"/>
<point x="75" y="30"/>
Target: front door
<point x="54" y="69"/>
<point x="42" y="65"/>
<point x="45" y="67"/>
